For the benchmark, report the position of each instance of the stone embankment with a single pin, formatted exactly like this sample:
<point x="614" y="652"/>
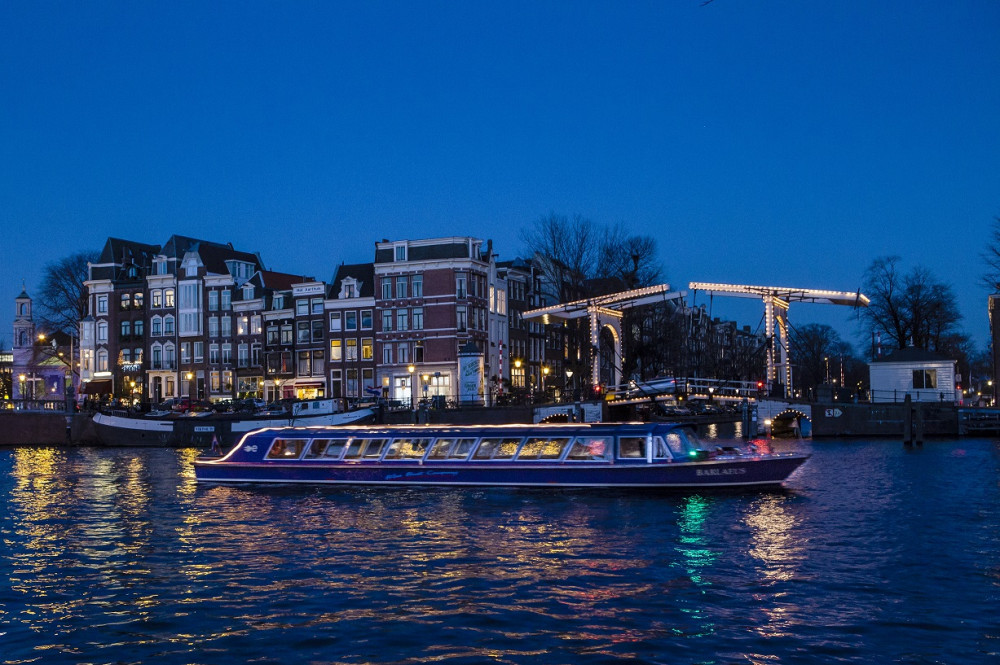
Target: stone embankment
<point x="45" y="429"/>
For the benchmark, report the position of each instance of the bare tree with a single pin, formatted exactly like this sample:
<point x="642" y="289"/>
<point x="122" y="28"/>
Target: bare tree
<point x="812" y="346"/>
<point x="631" y="259"/>
<point x="566" y="251"/>
<point x="62" y="299"/>
<point x="991" y="257"/>
<point x="911" y="308"/>
<point x="572" y="250"/>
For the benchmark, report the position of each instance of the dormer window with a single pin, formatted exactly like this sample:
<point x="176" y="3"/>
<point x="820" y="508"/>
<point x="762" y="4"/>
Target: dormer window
<point x="349" y="288"/>
<point x="400" y="252"/>
<point x="248" y="291"/>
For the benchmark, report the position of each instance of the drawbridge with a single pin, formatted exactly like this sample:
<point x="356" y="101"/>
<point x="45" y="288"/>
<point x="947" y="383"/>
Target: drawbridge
<point x="777" y="299"/>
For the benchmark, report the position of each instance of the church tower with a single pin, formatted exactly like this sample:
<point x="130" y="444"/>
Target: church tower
<point x="24" y="341"/>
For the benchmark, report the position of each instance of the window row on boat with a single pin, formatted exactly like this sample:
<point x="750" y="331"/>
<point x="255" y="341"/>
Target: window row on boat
<point x="675" y="444"/>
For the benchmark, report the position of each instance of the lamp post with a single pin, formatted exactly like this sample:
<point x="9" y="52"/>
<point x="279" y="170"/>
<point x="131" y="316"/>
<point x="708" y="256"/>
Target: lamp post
<point x="190" y="379"/>
<point x="413" y="402"/>
<point x="545" y="373"/>
<point x="426" y="378"/>
<point x="24" y="398"/>
<point x="569" y="378"/>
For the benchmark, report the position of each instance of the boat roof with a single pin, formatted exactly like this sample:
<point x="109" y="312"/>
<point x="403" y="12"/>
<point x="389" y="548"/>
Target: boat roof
<point x="516" y="429"/>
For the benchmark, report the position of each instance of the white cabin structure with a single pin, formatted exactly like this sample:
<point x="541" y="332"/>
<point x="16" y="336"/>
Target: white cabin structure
<point x="923" y="375"/>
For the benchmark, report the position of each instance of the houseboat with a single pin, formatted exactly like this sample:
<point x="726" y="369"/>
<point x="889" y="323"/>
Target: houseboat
<point x="203" y="429"/>
<point x="640" y="455"/>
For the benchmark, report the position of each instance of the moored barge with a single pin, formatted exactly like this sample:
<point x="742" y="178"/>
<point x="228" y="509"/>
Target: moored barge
<point x="641" y="455"/>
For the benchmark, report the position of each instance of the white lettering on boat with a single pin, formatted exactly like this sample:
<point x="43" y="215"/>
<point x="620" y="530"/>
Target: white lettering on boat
<point x="737" y="471"/>
<point x="418" y="474"/>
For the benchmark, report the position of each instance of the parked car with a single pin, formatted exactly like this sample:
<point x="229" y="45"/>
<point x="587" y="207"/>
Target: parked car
<point x="185" y="404"/>
<point x="253" y="403"/>
<point x="223" y="406"/>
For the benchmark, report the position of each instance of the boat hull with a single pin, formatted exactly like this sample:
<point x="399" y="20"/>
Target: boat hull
<point x="763" y="471"/>
<point x="199" y="432"/>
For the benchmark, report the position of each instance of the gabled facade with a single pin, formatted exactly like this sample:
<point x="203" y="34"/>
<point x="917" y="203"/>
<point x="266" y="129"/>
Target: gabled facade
<point x="114" y="334"/>
<point x="157" y="313"/>
<point x="431" y="300"/>
<point x="350" y="311"/>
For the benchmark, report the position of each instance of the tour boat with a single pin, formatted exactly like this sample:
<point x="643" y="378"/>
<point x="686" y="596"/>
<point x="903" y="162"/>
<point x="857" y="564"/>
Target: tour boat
<point x="642" y="455"/>
<point x="204" y="429"/>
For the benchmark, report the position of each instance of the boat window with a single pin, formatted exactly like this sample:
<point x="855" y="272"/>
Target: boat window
<point x="676" y="444"/>
<point x="632" y="446"/>
<point x="326" y="448"/>
<point x="286" y="448"/>
<point x="497" y="448"/>
<point x="407" y="448"/>
<point x="543" y="447"/>
<point x="440" y="448"/>
<point x="590" y="449"/>
<point x="461" y="449"/>
<point x="374" y="448"/>
<point x="367" y="448"/>
<point x="354" y="449"/>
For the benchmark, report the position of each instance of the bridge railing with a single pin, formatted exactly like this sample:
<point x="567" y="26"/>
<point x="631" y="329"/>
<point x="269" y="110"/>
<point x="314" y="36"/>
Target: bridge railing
<point x="687" y="386"/>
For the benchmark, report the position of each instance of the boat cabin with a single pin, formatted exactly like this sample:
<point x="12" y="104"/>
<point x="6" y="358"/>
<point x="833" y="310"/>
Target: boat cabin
<point x="534" y="444"/>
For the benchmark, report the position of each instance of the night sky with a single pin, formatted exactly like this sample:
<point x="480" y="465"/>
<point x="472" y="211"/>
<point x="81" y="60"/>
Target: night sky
<point x="779" y="143"/>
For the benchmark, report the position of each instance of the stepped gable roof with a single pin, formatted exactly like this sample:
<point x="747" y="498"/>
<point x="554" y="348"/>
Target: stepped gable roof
<point x="913" y="355"/>
<point x="364" y="273"/>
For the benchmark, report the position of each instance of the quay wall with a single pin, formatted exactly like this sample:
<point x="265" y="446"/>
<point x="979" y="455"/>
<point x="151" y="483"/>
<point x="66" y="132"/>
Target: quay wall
<point x="881" y="419"/>
<point x="45" y="429"/>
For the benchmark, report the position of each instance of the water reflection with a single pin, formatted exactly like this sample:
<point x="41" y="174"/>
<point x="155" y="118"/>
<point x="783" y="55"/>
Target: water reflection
<point x="119" y="556"/>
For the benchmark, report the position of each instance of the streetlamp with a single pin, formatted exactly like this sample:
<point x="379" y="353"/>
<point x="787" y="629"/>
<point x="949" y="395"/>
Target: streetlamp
<point x="426" y="378"/>
<point x="413" y="402"/>
<point x="569" y="387"/>
<point x="545" y="373"/>
<point x="190" y="379"/>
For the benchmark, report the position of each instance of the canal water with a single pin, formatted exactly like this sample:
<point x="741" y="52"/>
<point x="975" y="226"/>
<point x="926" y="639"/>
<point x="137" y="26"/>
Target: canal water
<point x="874" y="553"/>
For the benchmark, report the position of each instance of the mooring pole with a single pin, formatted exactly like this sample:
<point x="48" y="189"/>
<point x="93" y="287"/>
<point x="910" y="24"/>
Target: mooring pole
<point x="918" y="426"/>
<point x="907" y="421"/>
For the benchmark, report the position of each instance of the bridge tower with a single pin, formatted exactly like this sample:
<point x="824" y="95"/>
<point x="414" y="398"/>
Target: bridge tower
<point x="776" y="301"/>
<point x="605" y="315"/>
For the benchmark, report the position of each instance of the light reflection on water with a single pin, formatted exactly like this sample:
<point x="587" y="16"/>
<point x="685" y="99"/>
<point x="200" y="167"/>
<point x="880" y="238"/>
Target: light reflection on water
<point x="119" y="556"/>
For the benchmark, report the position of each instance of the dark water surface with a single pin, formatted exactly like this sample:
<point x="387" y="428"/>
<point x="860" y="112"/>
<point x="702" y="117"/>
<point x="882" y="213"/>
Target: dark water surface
<point x="873" y="554"/>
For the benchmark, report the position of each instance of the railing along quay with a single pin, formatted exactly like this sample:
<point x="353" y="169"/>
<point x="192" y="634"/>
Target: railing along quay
<point x="36" y="405"/>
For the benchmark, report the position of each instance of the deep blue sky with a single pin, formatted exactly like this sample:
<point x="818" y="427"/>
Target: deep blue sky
<point x="780" y="143"/>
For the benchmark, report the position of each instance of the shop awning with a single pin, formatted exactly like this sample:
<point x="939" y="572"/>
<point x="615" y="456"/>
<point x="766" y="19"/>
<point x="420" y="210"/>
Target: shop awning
<point x="97" y="387"/>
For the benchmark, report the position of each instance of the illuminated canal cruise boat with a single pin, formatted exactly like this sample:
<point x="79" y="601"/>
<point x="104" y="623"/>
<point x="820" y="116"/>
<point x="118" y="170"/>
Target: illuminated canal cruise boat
<point x="650" y="455"/>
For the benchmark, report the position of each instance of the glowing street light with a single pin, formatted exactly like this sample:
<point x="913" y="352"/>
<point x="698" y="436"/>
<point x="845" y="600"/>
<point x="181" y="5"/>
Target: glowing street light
<point x="411" y="369"/>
